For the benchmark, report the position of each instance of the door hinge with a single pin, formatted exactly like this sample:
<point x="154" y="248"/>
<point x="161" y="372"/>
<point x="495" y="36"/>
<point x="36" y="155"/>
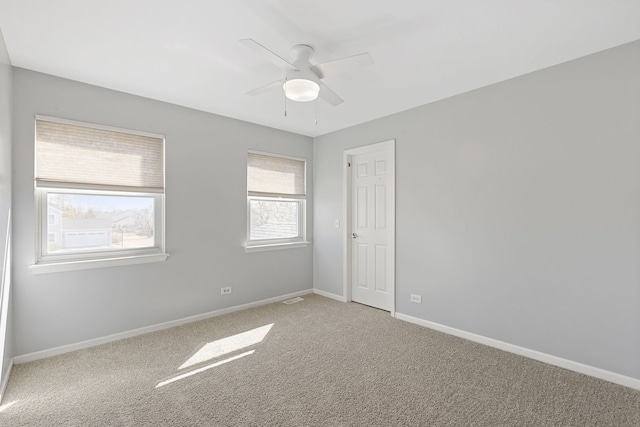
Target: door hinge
<point x="349" y="164"/>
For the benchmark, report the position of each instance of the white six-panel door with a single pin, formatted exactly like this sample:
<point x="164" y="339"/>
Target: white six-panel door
<point x="372" y="224"/>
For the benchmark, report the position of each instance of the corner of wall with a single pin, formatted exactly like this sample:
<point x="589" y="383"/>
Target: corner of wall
<point x="6" y="136"/>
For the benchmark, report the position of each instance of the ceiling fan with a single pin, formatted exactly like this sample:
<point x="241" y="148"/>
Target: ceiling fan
<point x="302" y="81"/>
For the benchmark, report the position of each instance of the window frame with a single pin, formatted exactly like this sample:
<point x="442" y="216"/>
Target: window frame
<point x="259" y="245"/>
<point x="46" y="262"/>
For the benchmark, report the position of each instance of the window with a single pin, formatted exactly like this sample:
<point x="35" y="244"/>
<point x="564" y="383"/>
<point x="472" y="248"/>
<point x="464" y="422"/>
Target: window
<point x="276" y="195"/>
<point x="99" y="194"/>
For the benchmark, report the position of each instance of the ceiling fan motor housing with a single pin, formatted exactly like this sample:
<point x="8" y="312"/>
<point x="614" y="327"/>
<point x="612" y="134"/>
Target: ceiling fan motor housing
<point x="302" y="84"/>
<point x="301" y="53"/>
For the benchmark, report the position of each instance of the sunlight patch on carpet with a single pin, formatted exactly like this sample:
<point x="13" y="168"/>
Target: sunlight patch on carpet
<point x="227" y="345"/>
<point x="204" y="368"/>
<point x="7" y="405"/>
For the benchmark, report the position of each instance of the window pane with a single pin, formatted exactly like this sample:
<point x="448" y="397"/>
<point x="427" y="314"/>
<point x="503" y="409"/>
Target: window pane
<point x="93" y="222"/>
<point x="272" y="219"/>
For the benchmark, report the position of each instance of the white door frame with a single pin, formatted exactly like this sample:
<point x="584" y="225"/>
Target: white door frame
<point x="347" y="217"/>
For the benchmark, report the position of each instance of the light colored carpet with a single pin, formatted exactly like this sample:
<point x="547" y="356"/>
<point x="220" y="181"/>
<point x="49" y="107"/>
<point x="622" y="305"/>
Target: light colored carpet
<point x="321" y="363"/>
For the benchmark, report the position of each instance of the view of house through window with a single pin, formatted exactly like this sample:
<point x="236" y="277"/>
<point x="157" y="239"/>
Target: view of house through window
<point x="88" y="222"/>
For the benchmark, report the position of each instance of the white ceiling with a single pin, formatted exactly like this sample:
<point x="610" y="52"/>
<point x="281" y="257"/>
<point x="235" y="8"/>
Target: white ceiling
<point x="188" y="52"/>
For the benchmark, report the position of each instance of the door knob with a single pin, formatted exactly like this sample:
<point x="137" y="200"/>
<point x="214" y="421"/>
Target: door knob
<point x="354" y="236"/>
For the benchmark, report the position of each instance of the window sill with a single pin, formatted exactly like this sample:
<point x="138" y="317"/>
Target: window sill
<point x="275" y="247"/>
<point x="56" y="267"/>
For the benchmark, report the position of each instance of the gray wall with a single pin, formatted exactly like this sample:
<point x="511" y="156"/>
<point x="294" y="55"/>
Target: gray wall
<point x="205" y="221"/>
<point x="517" y="210"/>
<point x="5" y="195"/>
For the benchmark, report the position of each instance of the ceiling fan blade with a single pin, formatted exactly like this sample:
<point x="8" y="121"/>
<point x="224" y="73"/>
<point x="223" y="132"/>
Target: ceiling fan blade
<point x="271" y="56"/>
<point x="339" y="66"/>
<point x="328" y="95"/>
<point x="266" y="88"/>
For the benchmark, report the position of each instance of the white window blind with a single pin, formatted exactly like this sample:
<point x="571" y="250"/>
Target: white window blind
<point x="275" y="176"/>
<point x="92" y="157"/>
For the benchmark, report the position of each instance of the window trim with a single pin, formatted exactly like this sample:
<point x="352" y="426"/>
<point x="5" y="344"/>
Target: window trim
<point x="276" y="246"/>
<point x="285" y="243"/>
<point x="85" y="264"/>
<point x="48" y="263"/>
<point x="97" y="126"/>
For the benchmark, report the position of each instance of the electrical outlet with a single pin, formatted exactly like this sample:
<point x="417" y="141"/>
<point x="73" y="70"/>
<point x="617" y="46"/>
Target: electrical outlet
<point x="416" y="298"/>
<point x="225" y="291"/>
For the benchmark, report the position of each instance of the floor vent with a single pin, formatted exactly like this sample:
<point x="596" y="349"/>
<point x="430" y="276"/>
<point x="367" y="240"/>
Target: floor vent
<point x="293" y="300"/>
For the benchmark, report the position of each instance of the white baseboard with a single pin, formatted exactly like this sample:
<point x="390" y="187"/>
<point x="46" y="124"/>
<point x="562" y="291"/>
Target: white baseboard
<point x="5" y="380"/>
<point x="531" y="354"/>
<point x="145" y="330"/>
<point x="329" y="295"/>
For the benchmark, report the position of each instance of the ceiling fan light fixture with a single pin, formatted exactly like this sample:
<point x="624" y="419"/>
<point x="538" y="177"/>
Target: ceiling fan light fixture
<point x="301" y="90"/>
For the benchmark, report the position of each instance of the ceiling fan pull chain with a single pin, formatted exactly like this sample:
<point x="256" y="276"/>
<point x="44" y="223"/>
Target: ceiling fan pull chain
<point x="316" y="112"/>
<point x="285" y="96"/>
